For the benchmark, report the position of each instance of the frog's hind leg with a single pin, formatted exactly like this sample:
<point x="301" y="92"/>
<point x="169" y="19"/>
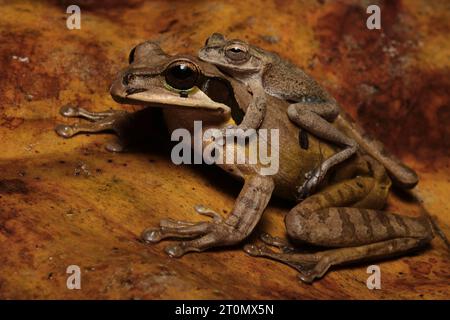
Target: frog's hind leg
<point x="313" y="266"/>
<point x="110" y="120"/>
<point x="315" y="117"/>
<point x="327" y="219"/>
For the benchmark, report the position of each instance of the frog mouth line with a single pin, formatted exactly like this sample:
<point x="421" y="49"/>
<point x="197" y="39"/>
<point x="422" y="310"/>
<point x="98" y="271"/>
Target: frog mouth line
<point x="161" y="98"/>
<point x="131" y="91"/>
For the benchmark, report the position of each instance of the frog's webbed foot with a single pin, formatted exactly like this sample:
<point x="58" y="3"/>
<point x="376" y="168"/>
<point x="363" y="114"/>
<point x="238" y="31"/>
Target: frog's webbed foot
<point x="110" y="120"/>
<point x="211" y="233"/>
<point x="309" y="266"/>
<point x="277" y="242"/>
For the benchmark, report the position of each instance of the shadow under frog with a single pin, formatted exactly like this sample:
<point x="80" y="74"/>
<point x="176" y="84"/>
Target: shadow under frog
<point x="344" y="214"/>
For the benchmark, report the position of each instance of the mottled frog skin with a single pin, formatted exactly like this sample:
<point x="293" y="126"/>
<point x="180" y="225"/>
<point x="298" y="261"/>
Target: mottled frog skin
<point x="310" y="106"/>
<point x="344" y="214"/>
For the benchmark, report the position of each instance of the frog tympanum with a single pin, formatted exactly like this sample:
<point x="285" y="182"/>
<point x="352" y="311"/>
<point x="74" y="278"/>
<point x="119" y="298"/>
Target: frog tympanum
<point x="344" y="214"/>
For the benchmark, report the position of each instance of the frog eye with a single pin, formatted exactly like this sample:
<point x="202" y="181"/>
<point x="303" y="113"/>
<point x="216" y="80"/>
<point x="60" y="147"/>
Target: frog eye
<point x="236" y="52"/>
<point x="181" y="75"/>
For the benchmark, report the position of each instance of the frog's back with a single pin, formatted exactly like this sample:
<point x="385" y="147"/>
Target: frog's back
<point x="285" y="80"/>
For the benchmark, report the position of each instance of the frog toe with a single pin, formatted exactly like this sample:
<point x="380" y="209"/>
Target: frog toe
<point x="180" y="249"/>
<point x="252" y="250"/>
<point x="65" y="131"/>
<point x="69" y="111"/>
<point x="256" y="250"/>
<point x="201" y="209"/>
<point x="303" y="191"/>
<point x="175" y="251"/>
<point x="312" y="180"/>
<point x="151" y="235"/>
<point x="306" y="277"/>
<point x="308" y="272"/>
<point x="115" y="147"/>
<point x="277" y="242"/>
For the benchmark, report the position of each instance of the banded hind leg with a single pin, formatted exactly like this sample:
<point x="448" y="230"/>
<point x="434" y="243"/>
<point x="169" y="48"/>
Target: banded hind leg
<point x="334" y="218"/>
<point x="110" y="120"/>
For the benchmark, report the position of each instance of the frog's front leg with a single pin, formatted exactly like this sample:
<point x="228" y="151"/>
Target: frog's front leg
<point x="355" y="234"/>
<point x="246" y="213"/>
<point x="254" y="115"/>
<point x="316" y="118"/>
<point x="110" y="120"/>
<point x="169" y="228"/>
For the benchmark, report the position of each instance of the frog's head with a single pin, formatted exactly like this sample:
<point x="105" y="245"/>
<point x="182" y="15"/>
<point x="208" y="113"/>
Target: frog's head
<point x="233" y="56"/>
<point x="154" y="78"/>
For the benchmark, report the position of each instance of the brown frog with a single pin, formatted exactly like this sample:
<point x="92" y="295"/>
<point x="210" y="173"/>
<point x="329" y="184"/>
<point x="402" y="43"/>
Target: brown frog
<point x="344" y="215"/>
<point x="310" y="106"/>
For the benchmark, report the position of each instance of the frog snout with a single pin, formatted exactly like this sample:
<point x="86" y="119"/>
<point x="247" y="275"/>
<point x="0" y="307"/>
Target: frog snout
<point x="119" y="86"/>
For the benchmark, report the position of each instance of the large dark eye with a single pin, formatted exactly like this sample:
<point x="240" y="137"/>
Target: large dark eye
<point x="131" y="55"/>
<point x="181" y="75"/>
<point x="236" y="52"/>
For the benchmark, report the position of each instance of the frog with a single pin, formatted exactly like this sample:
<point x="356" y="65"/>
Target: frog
<point x="310" y="106"/>
<point x="345" y="214"/>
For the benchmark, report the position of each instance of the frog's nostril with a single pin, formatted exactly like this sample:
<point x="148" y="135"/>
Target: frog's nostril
<point x="127" y="78"/>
